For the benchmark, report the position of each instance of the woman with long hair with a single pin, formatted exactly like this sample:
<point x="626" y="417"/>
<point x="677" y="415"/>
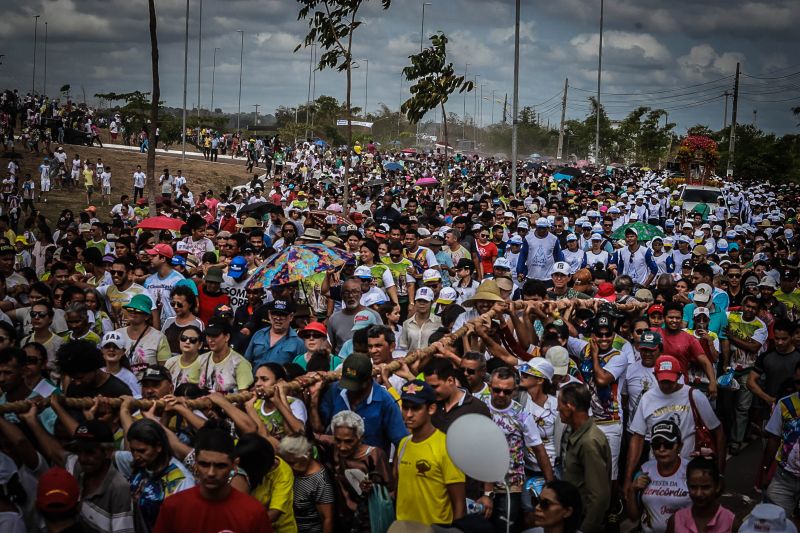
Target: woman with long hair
<point x="279" y="415"/>
<point x="370" y="256"/>
<point x="559" y="508"/>
<point x="184" y="302"/>
<point x="96" y="304"/>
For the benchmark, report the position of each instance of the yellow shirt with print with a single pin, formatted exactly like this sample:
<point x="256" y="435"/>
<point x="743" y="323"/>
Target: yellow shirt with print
<point x="276" y="491"/>
<point x="424" y="470"/>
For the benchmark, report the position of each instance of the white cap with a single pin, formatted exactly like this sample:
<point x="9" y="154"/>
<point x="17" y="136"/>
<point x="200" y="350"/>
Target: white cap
<point x="424" y="293"/>
<point x="701" y="311"/>
<point x="542" y="222"/>
<point x="522" y="224"/>
<point x="447" y="295"/>
<point x="571" y="237"/>
<point x="768" y="281"/>
<point x="372" y="298"/>
<point x="363" y="272"/>
<point x="702" y="293"/>
<point x="558" y="356"/>
<point x="561" y="267"/>
<point x="431" y="274"/>
<point x="502" y="262"/>
<point x="112" y="337"/>
<point x="538" y="367"/>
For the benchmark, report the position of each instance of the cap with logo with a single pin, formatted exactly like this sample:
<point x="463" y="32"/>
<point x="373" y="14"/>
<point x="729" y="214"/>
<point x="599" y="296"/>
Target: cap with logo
<point x="431" y="274"/>
<point x="281" y="307"/>
<point x="91" y="433"/>
<point x="156" y="373"/>
<point x="650" y="340"/>
<point x="218" y="326"/>
<point x="561" y="267"/>
<point x="768" y="282"/>
<point x="668" y="368"/>
<point x="363" y="319"/>
<point x="701" y="311"/>
<point x="363" y="272"/>
<point x="417" y="392"/>
<point x="702" y="293"/>
<point x="112" y="338"/>
<point x="447" y="296"/>
<point x="602" y="322"/>
<point x="57" y="491"/>
<point x="237" y="267"/>
<point x="356" y="372"/>
<point x="424" y="293"/>
<point x="666" y="430"/>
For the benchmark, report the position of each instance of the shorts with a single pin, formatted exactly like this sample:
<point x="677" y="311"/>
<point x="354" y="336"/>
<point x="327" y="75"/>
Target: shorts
<point x="106" y="189"/>
<point x="89" y="189"/>
<point x="45" y="185"/>
<point x="75" y="174"/>
<point x="613" y="433"/>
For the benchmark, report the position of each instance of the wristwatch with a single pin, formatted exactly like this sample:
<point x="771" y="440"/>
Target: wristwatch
<point x="489" y="494"/>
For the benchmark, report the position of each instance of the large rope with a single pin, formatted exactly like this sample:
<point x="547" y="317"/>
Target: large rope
<point x="550" y="308"/>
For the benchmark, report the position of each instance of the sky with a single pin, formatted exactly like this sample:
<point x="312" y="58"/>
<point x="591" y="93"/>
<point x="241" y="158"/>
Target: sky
<point x="679" y="55"/>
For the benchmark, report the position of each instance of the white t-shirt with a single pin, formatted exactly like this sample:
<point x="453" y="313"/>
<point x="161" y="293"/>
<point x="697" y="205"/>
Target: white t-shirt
<point x="663" y="496"/>
<point x="138" y="179"/>
<point x="545" y="419"/>
<point x="105" y="179"/>
<point x="236" y="290"/>
<point x="656" y="406"/>
<point x="638" y="380"/>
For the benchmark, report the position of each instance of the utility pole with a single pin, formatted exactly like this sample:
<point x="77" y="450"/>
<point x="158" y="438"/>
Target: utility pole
<point x="44" y="87"/>
<point x="475" y="115"/>
<point x="493" y="107"/>
<point x="725" y="116"/>
<point x="199" y="58"/>
<point x="35" y="42"/>
<point x="599" y="73"/>
<point x="464" y="121"/>
<point x="213" y="79"/>
<point x="185" y="81"/>
<point x="755" y="118"/>
<point x="515" y="105"/>
<point x="308" y="98"/>
<point x="239" y="107"/>
<point x="732" y="141"/>
<point x="421" y="40"/>
<point x="505" y="105"/>
<point x="256" y="106"/>
<point x="560" y="150"/>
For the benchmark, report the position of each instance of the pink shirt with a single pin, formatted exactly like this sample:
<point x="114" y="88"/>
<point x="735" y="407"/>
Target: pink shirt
<point x="721" y="523"/>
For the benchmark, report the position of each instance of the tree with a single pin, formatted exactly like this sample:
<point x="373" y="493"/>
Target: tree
<point x="435" y="80"/>
<point x="332" y="26"/>
<point x="154" y="98"/>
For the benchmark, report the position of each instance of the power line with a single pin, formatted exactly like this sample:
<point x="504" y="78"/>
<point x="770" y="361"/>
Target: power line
<point x="771" y="77"/>
<point x="654" y="92"/>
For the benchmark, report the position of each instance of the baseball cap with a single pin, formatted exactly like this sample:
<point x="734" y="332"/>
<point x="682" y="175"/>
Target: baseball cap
<point x="92" y="433"/>
<point x="542" y="222"/>
<point x="238" y="267"/>
<point x="701" y="311"/>
<point x="84" y="227"/>
<point x="700" y="250"/>
<point x="431" y="274"/>
<point x="602" y="322"/>
<point x="522" y="224"/>
<point x="218" y="326"/>
<point x="424" y="293"/>
<point x="156" y="373"/>
<point x="538" y="367"/>
<point x="767" y="518"/>
<point x="768" y="281"/>
<point x="356" y="372"/>
<point x="571" y="237"/>
<point x="178" y="260"/>
<point x="281" y="307"/>
<point x="667" y="430"/>
<point x="57" y="491"/>
<point x="417" y="392"/>
<point x="363" y="319"/>
<point x="214" y="275"/>
<point x="789" y="273"/>
<point x="596" y="237"/>
<point x="655" y="308"/>
<point x="668" y="368"/>
<point x="161" y="249"/>
<point x="558" y="356"/>
<point x="561" y="267"/>
<point x="606" y="291"/>
<point x="113" y="338"/>
<point x="502" y="262"/>
<point x="515" y="239"/>
<point x="702" y="293"/>
<point x="650" y="340"/>
<point x="141" y="303"/>
<point x="372" y="298"/>
<point x="447" y="296"/>
<point x="363" y="272"/>
<point x="313" y="327"/>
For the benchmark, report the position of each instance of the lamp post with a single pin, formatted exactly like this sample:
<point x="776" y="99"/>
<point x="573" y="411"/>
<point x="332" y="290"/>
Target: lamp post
<point x="185" y="82"/>
<point x="421" y="41"/>
<point x="241" y="64"/>
<point x="515" y="104"/>
<point x="464" y="122"/>
<point x="199" y="58"/>
<point x="366" y="85"/>
<point x="35" y="42"/>
<point x="599" y="72"/>
<point x="44" y="85"/>
<point x="213" y="76"/>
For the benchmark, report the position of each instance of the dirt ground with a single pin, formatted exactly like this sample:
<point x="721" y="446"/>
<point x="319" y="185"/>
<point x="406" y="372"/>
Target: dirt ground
<point x="201" y="175"/>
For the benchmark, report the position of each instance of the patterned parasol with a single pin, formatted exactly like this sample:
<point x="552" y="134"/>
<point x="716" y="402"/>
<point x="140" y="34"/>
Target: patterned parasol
<point x="296" y="263"/>
<point x="644" y="231"/>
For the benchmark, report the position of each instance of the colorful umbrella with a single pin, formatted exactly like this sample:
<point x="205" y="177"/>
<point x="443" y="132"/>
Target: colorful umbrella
<point x="645" y="231"/>
<point x="319" y="218"/>
<point x="296" y="263"/>
<point x="161" y="223"/>
<point x="427" y="181"/>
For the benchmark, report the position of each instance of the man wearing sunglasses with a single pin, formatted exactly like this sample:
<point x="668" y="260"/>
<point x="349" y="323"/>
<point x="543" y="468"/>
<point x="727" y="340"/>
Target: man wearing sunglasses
<point x="525" y="444"/>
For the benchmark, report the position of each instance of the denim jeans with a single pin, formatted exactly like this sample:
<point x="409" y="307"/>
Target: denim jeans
<point x="784" y="491"/>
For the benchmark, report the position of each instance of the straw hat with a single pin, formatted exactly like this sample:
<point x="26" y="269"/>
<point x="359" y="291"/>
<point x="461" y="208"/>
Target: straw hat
<point x="487" y="291"/>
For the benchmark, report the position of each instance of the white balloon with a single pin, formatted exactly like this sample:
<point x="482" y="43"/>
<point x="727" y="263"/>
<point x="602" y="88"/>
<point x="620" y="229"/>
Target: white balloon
<point x="478" y="447"/>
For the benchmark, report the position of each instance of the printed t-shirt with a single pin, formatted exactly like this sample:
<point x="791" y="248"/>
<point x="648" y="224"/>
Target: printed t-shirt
<point x="663" y="496"/>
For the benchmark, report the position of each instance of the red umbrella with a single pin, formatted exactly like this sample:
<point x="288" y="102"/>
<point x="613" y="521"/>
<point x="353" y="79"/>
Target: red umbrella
<point x="161" y="222"/>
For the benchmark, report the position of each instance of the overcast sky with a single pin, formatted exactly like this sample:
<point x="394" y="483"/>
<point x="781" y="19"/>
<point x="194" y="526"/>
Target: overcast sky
<point x="679" y="53"/>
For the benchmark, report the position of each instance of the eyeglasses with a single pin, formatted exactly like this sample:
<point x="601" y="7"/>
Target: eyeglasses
<point x="604" y="335"/>
<point x="545" y="505"/>
<point x="658" y="444"/>
<point x="38" y="314"/>
<point x="190" y="340"/>
<point x="484" y="235"/>
<point x="177" y="304"/>
<point x="503" y="392"/>
<point x="734" y="276"/>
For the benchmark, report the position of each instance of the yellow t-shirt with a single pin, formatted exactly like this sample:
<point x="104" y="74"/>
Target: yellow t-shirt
<point x="88" y="177"/>
<point x="276" y="491"/>
<point x="424" y="471"/>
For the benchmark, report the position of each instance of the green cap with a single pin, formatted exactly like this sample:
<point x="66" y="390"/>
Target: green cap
<point x="141" y="303"/>
<point x="214" y="275"/>
<point x="356" y="372"/>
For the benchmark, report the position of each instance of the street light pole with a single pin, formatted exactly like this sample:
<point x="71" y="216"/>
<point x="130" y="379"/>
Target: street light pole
<point x="464" y="122"/>
<point x="213" y="76"/>
<point x="366" y="88"/>
<point x="35" y="42"/>
<point x="44" y="87"/>
<point x="599" y="73"/>
<point x="475" y="114"/>
<point x="199" y="58"/>
<point x="241" y="64"/>
<point x="515" y="104"/>
<point x="185" y="81"/>
<point x="256" y="106"/>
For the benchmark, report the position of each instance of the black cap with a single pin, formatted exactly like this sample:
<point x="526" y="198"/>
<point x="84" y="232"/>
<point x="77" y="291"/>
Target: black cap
<point x="285" y="307"/>
<point x="217" y="327"/>
<point x="602" y="322"/>
<point x="667" y="430"/>
<point x="464" y="263"/>
<point x="356" y="372"/>
<point x="687" y="263"/>
<point x="156" y="373"/>
<point x="7" y="250"/>
<point x="789" y="273"/>
<point x="92" y="432"/>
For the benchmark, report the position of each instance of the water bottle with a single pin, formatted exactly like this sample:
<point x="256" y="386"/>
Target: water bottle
<point x="474" y="507"/>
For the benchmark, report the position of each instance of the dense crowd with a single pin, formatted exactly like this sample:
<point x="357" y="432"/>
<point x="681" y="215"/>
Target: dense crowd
<point x="624" y="344"/>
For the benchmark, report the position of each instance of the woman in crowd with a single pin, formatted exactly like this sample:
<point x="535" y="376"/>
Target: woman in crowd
<point x="185" y="367"/>
<point x="279" y="415"/>
<point x="184" y="302"/>
<point x="559" y="509"/>
<point x="314" y="495"/>
<point x="96" y="304"/>
<point x="381" y="275"/>
<point x="315" y="337"/>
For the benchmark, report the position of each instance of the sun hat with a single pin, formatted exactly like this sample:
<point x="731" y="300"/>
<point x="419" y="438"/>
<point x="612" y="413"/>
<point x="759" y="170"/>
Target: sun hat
<point x="214" y="275"/>
<point x="766" y="518"/>
<point x="141" y="303"/>
<point x="558" y="357"/>
<point x="487" y="291"/>
<point x="538" y="367"/>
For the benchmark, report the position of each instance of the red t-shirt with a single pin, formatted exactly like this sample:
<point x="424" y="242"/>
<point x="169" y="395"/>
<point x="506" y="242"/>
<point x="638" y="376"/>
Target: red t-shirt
<point x="189" y="512"/>
<point x="208" y="303"/>
<point x="683" y="346"/>
<point x="487" y="253"/>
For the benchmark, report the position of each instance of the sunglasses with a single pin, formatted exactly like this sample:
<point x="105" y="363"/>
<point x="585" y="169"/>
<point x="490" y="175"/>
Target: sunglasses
<point x="32" y="361"/>
<point x="545" y="505"/>
<point x="177" y="304"/>
<point x="662" y="444"/>
<point x="191" y="340"/>
<point x="639" y="331"/>
<point x="470" y="371"/>
<point x="503" y="392"/>
<point x="314" y="336"/>
<point x="38" y="314"/>
<point x="734" y="276"/>
<point x="118" y="272"/>
<point x="605" y="335"/>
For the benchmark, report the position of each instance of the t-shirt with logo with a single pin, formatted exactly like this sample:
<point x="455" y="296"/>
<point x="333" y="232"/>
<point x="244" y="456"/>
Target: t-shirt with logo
<point x="663" y="496"/>
<point x="606" y="399"/>
<point x="522" y="435"/>
<point x="785" y="423"/>
<point x="236" y="290"/>
<point x="638" y="380"/>
<point x="161" y="291"/>
<point x="151" y="349"/>
<point x="424" y="471"/>
<point x="754" y="330"/>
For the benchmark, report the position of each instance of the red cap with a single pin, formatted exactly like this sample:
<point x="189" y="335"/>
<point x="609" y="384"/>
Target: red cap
<point x="655" y="308"/>
<point x="606" y="291"/>
<point x="161" y="249"/>
<point x="317" y="327"/>
<point x="58" y="491"/>
<point x="668" y="368"/>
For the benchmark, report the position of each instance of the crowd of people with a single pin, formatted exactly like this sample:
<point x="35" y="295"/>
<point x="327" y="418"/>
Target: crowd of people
<point x="623" y="344"/>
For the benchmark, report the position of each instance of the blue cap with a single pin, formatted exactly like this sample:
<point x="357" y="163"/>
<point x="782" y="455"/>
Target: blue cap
<point x="178" y="260"/>
<point x="238" y="267"/>
<point x="188" y="283"/>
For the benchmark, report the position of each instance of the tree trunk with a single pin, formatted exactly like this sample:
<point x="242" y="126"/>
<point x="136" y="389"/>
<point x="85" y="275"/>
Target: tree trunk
<point x="346" y="193"/>
<point x="156" y="96"/>
<point x="445" y="172"/>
